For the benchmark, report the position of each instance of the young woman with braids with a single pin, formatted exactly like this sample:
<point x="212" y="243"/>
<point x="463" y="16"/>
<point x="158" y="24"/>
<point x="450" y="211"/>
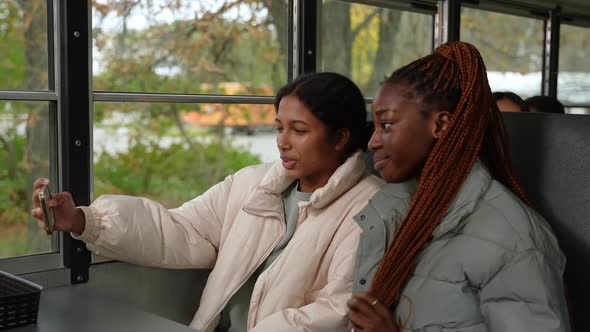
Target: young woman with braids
<point x="451" y="243"/>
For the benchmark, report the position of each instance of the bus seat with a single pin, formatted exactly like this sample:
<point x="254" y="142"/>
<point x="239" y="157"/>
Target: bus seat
<point x="551" y="155"/>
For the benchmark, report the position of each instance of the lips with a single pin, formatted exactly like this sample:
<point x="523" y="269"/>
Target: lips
<point x="288" y="163"/>
<point x="379" y="161"/>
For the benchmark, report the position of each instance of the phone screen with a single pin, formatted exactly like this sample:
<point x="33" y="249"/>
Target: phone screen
<point x="44" y="197"/>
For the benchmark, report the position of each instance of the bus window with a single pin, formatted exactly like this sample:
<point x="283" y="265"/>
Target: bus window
<point x="573" y="80"/>
<point x="366" y="43"/>
<point x="511" y="46"/>
<point x="189" y="46"/>
<point x="173" y="152"/>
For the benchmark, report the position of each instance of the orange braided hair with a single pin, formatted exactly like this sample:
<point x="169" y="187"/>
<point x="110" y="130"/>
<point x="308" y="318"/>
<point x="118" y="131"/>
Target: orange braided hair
<point x="453" y="77"/>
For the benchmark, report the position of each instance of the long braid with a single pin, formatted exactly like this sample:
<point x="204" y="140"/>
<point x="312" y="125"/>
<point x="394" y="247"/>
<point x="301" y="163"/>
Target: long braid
<point x="454" y="70"/>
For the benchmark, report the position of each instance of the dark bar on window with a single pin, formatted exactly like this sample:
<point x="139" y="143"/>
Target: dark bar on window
<point x="449" y="21"/>
<point x="50" y="43"/>
<point x="75" y="122"/>
<point x="551" y="53"/>
<point x="290" y="43"/>
<point x="424" y="6"/>
<point x="307" y="35"/>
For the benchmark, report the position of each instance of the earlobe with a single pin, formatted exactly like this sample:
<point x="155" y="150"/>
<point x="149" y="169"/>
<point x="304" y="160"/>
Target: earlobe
<point x="441" y="123"/>
<point x="341" y="139"/>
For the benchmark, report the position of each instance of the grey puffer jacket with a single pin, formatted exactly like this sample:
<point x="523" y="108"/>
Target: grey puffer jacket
<point x="493" y="264"/>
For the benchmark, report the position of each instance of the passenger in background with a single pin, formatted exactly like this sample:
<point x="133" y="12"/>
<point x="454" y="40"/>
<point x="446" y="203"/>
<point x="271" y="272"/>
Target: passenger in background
<point x="280" y="238"/>
<point x="509" y="102"/>
<point x="545" y="104"/>
<point x="451" y="243"/>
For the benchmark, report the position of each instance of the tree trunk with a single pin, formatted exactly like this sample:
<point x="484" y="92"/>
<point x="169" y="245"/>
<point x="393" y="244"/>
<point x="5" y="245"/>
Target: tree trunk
<point x="337" y="38"/>
<point x="389" y="22"/>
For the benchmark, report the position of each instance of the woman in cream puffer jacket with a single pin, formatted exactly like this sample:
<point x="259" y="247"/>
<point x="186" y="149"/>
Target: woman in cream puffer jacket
<point x="239" y="223"/>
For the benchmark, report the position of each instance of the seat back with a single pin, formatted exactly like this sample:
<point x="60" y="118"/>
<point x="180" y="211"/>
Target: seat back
<point x="551" y="156"/>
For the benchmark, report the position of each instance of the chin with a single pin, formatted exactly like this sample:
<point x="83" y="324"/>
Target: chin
<point x="391" y="178"/>
<point x="293" y="173"/>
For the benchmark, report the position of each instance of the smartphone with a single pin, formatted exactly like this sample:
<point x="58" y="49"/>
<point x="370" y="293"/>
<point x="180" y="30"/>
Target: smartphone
<point x="44" y="197"/>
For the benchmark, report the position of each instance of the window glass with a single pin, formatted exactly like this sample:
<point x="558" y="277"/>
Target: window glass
<point x="573" y="80"/>
<point x="511" y="46"/>
<point x="173" y="152"/>
<point x="577" y="110"/>
<point x="23" y="45"/>
<point x="366" y="43"/>
<point x="189" y="46"/>
<point x="24" y="156"/>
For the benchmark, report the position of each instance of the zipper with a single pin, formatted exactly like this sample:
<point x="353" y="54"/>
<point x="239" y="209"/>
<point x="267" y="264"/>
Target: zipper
<point x="249" y="274"/>
<point x="265" y="288"/>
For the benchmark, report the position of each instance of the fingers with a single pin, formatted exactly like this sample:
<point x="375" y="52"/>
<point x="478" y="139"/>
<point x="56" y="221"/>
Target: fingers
<point x="37" y="186"/>
<point x="362" y="314"/>
<point x="360" y="321"/>
<point x="41" y="224"/>
<point x="40" y="182"/>
<point x="36" y="202"/>
<point x="59" y="199"/>
<point x="381" y="310"/>
<point x="37" y="214"/>
<point x="368" y="314"/>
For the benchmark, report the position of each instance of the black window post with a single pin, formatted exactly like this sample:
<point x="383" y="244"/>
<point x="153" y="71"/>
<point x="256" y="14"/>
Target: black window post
<point x="551" y="53"/>
<point x="74" y="122"/>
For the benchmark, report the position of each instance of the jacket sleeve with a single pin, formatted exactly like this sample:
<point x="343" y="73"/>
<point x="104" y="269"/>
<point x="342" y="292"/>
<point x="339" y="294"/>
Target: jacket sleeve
<point x="329" y="311"/>
<point x="141" y="231"/>
<point x="526" y="294"/>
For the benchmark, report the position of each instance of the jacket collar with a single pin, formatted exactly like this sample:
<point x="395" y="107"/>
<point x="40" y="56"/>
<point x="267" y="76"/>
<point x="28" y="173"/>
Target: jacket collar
<point x="267" y="195"/>
<point x="470" y="193"/>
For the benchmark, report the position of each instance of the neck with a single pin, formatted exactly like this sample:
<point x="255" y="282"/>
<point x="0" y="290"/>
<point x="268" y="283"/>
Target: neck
<point x="312" y="183"/>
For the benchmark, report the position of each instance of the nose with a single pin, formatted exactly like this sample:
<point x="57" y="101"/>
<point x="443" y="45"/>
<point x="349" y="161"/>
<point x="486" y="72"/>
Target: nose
<point x="283" y="141"/>
<point x="375" y="142"/>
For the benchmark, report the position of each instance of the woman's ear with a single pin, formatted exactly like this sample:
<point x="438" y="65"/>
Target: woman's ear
<point x="441" y="121"/>
<point x="342" y="137"/>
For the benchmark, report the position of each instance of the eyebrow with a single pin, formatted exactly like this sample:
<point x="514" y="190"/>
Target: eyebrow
<point x="383" y="110"/>
<point x="294" y="121"/>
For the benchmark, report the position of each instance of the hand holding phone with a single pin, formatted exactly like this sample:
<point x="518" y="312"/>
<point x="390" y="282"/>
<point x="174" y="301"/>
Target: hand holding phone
<point x="48" y="214"/>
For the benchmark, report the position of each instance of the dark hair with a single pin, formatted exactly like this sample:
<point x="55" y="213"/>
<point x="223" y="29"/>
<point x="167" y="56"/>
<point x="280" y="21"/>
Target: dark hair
<point x="545" y="104"/>
<point x="513" y="97"/>
<point x="336" y="101"/>
<point x="420" y="85"/>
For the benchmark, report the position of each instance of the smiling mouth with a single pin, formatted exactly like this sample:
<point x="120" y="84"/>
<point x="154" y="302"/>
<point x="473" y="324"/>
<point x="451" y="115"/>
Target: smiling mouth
<point x="288" y="163"/>
<point x="379" y="163"/>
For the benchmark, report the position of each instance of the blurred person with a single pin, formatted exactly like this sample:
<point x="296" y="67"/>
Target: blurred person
<point x="545" y="104"/>
<point x="509" y="102"/>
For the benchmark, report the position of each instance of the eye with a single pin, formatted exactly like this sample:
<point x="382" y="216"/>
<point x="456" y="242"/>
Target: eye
<point x="299" y="131"/>
<point x="279" y="129"/>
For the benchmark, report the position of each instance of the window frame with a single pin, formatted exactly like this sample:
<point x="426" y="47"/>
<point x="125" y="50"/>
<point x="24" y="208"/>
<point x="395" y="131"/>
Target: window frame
<point x="35" y="262"/>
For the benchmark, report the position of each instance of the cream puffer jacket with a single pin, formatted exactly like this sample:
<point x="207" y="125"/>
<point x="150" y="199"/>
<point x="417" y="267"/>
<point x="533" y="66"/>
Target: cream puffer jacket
<point x="232" y="228"/>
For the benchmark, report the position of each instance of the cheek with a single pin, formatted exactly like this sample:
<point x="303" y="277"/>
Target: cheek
<point x="407" y="151"/>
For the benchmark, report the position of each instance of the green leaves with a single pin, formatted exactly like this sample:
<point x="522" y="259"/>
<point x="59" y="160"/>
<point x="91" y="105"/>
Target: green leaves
<point x="170" y="175"/>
